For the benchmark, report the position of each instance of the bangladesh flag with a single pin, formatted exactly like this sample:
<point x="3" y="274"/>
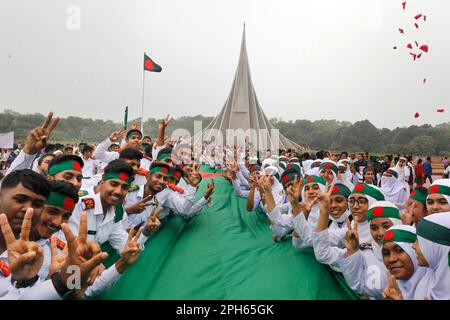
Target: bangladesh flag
<point x="149" y="65"/>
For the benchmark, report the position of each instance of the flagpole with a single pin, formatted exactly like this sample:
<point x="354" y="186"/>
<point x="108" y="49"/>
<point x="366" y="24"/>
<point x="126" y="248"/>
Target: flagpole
<point x="143" y="96"/>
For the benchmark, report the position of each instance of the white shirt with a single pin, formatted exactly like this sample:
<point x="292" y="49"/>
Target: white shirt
<point x="90" y="168"/>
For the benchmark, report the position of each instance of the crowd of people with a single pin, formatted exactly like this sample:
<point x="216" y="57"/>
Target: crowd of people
<point x="370" y="219"/>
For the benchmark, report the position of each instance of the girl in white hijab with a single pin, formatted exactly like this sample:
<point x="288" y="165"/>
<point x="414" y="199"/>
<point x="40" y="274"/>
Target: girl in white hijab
<point x="412" y="280"/>
<point x="362" y="265"/>
<point x="433" y="251"/>
<point x="393" y="189"/>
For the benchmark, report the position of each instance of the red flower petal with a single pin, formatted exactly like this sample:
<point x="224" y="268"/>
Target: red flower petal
<point x="401" y="30"/>
<point x="419" y="55"/>
<point x="416" y="43"/>
<point x="404" y="5"/>
<point x="417" y="26"/>
<point x="409" y="46"/>
<point x="440" y="110"/>
<point x="424" y="48"/>
<point x="416" y="115"/>
<point x="418" y="16"/>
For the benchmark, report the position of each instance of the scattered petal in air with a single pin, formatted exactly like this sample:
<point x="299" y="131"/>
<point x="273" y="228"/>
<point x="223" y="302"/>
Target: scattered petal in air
<point x="401" y="30"/>
<point x="440" y="110"/>
<point x="419" y="55"/>
<point x="418" y="16"/>
<point x="417" y="26"/>
<point x="424" y="80"/>
<point x="416" y="115"/>
<point x="414" y="55"/>
<point x="409" y="46"/>
<point x="424" y="18"/>
<point x="424" y="48"/>
<point x="404" y="5"/>
<point x="416" y="43"/>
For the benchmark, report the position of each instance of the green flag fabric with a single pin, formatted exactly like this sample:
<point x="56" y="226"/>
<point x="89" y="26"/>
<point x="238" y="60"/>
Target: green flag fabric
<point x="225" y="253"/>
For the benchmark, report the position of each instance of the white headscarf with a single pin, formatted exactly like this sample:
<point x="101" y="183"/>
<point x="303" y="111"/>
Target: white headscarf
<point x="313" y="217"/>
<point x="442" y="182"/>
<point x="412" y="288"/>
<point x="376" y="248"/>
<point x="437" y="256"/>
<point x="392" y="188"/>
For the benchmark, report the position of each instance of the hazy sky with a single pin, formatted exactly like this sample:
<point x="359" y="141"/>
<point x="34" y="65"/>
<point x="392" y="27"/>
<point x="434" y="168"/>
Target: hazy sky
<point x="311" y="60"/>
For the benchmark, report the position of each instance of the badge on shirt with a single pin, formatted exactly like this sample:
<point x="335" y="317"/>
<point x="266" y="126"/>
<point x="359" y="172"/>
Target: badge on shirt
<point x="82" y="193"/>
<point x="364" y="246"/>
<point x="133" y="187"/>
<point x="89" y="203"/>
<point x="60" y="244"/>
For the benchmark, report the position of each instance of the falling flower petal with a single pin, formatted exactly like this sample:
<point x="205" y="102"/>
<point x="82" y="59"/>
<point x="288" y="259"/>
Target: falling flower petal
<point x="416" y="43"/>
<point x="401" y="30"/>
<point x="409" y="46"/>
<point x="414" y="55"/>
<point x="419" y="55"/>
<point x="416" y="115"/>
<point x="418" y="16"/>
<point x="440" y="110"/>
<point x="424" y="48"/>
<point x="417" y="26"/>
<point x="424" y="80"/>
<point x="424" y="18"/>
<point x="404" y="5"/>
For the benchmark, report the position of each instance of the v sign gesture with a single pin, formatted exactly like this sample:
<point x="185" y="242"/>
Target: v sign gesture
<point x="392" y="291"/>
<point x="38" y="137"/>
<point x="24" y="256"/>
<point x="131" y="250"/>
<point x="351" y="239"/>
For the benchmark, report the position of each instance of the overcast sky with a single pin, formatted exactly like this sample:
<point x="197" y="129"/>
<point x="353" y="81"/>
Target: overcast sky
<point x="311" y="60"/>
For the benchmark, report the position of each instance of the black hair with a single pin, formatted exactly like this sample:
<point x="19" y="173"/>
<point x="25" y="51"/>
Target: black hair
<point x="87" y="148"/>
<point x="428" y="158"/>
<point x="305" y="155"/>
<point x="65" y="188"/>
<point x="419" y="161"/>
<point x="29" y="179"/>
<point x="65" y="157"/>
<point x="130" y="154"/>
<point x="44" y="155"/>
<point x="148" y="150"/>
<point x="119" y="166"/>
<point x="319" y="154"/>
<point x="50" y="148"/>
<point x="165" y="150"/>
<point x="68" y="147"/>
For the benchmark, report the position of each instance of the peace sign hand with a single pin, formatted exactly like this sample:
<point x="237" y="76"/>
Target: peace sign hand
<point x="139" y="206"/>
<point x="115" y="136"/>
<point x="25" y="257"/>
<point x="392" y="291"/>
<point x="38" y="137"/>
<point x="58" y="259"/>
<point x="153" y="223"/>
<point x="165" y="122"/>
<point x="325" y="197"/>
<point x="131" y="250"/>
<point x="80" y="252"/>
<point x="351" y="239"/>
<point x="407" y="216"/>
<point x="294" y="191"/>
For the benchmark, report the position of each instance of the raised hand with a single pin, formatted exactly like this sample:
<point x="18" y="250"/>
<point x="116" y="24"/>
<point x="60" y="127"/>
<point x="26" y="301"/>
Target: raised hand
<point x="392" y="291"/>
<point x="58" y="258"/>
<point x="324" y="198"/>
<point x="38" y="137"/>
<point x="265" y="184"/>
<point x="131" y="250"/>
<point x="115" y="136"/>
<point x="165" y="122"/>
<point x="209" y="190"/>
<point x="294" y="191"/>
<point x="153" y="223"/>
<point x="351" y="239"/>
<point x="406" y="215"/>
<point x="139" y="206"/>
<point x="25" y="257"/>
<point x="81" y="253"/>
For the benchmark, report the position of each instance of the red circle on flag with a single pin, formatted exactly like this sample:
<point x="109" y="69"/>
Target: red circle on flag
<point x="413" y="193"/>
<point x="123" y="176"/>
<point x="359" y="187"/>
<point x="335" y="190"/>
<point x="285" y="178"/>
<point x="148" y="64"/>
<point x="328" y="166"/>
<point x="378" y="211"/>
<point x="288" y="166"/>
<point x="164" y="169"/>
<point x="433" y="189"/>
<point x="389" y="235"/>
<point x="254" y="168"/>
<point x="177" y="174"/>
<point x="68" y="204"/>
<point x="76" y="166"/>
<point x="310" y="179"/>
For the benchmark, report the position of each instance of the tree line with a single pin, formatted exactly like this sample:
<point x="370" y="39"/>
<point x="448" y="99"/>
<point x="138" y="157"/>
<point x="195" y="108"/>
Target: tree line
<point x="321" y="134"/>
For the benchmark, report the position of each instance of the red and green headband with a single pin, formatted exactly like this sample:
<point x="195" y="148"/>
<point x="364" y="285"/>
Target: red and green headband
<point x="162" y="156"/>
<point x="342" y="168"/>
<point x="255" y="168"/>
<point x="159" y="169"/>
<point x="399" y="235"/>
<point x="316" y="164"/>
<point x="329" y="165"/>
<point x="60" y="201"/>
<point x="433" y="232"/>
<point x="132" y="133"/>
<point x="439" y="189"/>
<point x="419" y="196"/>
<point x="313" y="179"/>
<point x="340" y="190"/>
<point x="363" y="188"/>
<point x="291" y="177"/>
<point x="64" y="166"/>
<point x="392" y="172"/>
<point x="383" y="212"/>
<point x="125" y="177"/>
